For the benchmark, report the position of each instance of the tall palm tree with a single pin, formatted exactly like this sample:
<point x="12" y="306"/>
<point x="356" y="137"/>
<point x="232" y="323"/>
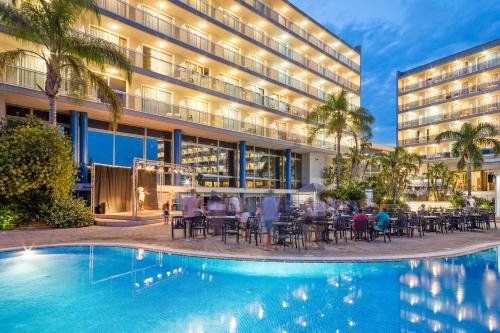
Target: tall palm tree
<point x="334" y="117"/>
<point x="467" y="144"/>
<point x="357" y="154"/>
<point x="439" y="180"/>
<point x="46" y="28"/>
<point x="396" y="168"/>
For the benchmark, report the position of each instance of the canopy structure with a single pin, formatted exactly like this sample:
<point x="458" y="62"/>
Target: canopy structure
<point x="312" y="188"/>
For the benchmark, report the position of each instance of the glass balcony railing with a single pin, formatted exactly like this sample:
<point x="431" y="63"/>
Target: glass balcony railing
<point x="277" y="18"/>
<point x="487" y="153"/>
<point x="472" y="89"/>
<point x="427" y="138"/>
<point x="172" y="31"/>
<point x="451" y="75"/>
<point x="448" y="116"/>
<point x="31" y="79"/>
<point x="260" y="37"/>
<point x="173" y="71"/>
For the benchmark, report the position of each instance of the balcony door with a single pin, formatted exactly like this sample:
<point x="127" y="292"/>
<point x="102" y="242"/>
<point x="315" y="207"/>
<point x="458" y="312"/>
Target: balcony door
<point x="231" y="119"/>
<point x="231" y="86"/>
<point x="232" y="21"/>
<point x="197" y="111"/>
<point x="157" y="61"/>
<point x="198" y="38"/>
<point x="255" y="124"/>
<point x="280" y="128"/>
<point x="156" y="101"/>
<point x="258" y="94"/>
<point x="156" y="20"/>
<point x="231" y="52"/>
<point x="108" y="36"/>
<point x="31" y="73"/>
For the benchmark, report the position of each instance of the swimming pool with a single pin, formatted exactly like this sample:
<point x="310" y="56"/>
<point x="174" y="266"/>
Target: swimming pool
<point x="106" y="289"/>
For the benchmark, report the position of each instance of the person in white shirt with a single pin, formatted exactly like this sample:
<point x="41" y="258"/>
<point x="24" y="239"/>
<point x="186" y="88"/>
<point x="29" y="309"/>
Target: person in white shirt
<point x="234" y="205"/>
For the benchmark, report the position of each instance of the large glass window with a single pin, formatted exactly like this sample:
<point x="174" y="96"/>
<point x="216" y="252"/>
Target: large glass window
<point x="126" y="148"/>
<point x="152" y="151"/>
<point x="100" y="147"/>
<point x="263" y="168"/>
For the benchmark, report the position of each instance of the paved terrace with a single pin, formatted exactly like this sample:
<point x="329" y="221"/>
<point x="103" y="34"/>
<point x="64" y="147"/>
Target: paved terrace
<point x="157" y="237"/>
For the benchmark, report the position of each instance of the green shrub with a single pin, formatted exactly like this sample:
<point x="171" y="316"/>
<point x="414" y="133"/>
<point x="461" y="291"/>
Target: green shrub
<point x="484" y="203"/>
<point x="8" y="218"/>
<point x="457" y="199"/>
<point x="351" y="191"/>
<point x="66" y="212"/>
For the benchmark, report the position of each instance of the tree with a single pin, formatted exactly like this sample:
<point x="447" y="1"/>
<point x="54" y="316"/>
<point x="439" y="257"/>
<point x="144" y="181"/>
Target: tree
<point x="334" y="117"/>
<point x="46" y="27"/>
<point x="440" y="180"/>
<point x="358" y="157"/>
<point x="467" y="144"/>
<point x="34" y="156"/>
<point x="396" y="168"/>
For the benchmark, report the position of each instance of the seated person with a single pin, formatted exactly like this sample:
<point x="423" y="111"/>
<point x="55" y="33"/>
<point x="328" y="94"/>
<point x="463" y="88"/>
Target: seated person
<point x="360" y="222"/>
<point x="382" y="217"/>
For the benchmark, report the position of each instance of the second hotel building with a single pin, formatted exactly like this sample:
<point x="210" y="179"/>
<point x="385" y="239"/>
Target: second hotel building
<point x="222" y="86"/>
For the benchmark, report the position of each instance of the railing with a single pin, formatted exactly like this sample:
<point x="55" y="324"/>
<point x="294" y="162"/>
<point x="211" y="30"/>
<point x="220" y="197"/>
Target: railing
<point x="486" y="152"/>
<point x="451" y="115"/>
<point x="455" y="74"/>
<point x="31" y="79"/>
<point x="276" y="17"/>
<point x="205" y="45"/>
<point x="429" y="138"/>
<point x="186" y="75"/>
<point x="260" y="37"/>
<point x="451" y="95"/>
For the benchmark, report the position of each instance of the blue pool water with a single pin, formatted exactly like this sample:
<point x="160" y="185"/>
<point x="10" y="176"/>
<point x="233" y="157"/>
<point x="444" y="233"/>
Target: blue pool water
<point x="104" y="289"/>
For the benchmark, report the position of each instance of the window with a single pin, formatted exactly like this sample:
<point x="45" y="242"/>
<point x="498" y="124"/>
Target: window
<point x="197" y="110"/>
<point x="100" y="147"/>
<point x="231" y="21"/>
<point x="280" y="130"/>
<point x="156" y="20"/>
<point x="32" y="72"/>
<point x="258" y="65"/>
<point x="127" y="148"/>
<point x="258" y="94"/>
<point x="258" y="34"/>
<point x="108" y="36"/>
<point x="231" y="119"/>
<point x="152" y="149"/>
<point x="156" y="101"/>
<point x="118" y="85"/>
<point x="157" y="61"/>
<point x="254" y="125"/>
<point x="232" y="86"/>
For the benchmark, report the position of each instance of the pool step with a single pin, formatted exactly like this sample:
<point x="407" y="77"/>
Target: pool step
<point x="115" y="222"/>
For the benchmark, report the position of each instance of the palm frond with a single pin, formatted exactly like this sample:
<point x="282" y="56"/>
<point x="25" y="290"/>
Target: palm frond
<point x="110" y="96"/>
<point x="448" y="135"/>
<point x="11" y="57"/>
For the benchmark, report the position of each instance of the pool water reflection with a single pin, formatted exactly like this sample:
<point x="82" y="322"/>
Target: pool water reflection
<point x="90" y="289"/>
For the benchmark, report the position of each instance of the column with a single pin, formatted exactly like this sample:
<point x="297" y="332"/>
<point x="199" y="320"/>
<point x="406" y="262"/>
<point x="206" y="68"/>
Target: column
<point x="288" y="174"/>
<point x="242" y="166"/>
<point x="84" y="157"/>
<point x="497" y="194"/>
<point x="74" y="135"/>
<point x="177" y="153"/>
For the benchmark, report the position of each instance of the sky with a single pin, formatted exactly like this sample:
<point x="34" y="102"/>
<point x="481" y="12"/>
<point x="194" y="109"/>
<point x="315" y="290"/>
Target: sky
<point x="400" y="35"/>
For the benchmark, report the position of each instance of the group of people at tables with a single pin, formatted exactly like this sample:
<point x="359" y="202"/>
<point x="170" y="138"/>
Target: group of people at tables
<point x="222" y="208"/>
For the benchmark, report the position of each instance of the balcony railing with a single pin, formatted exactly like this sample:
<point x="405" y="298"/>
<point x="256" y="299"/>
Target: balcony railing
<point x="31" y="79"/>
<point x="170" y="30"/>
<point x="260" y="37"/>
<point x="448" y="116"/>
<point x="217" y="85"/>
<point x="428" y="138"/>
<point x="276" y="17"/>
<point x="487" y="153"/>
<point x="472" y="89"/>
<point x="450" y="75"/>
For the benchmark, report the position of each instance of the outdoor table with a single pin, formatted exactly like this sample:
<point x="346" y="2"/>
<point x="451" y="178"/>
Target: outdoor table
<point x="431" y="219"/>
<point x="213" y="221"/>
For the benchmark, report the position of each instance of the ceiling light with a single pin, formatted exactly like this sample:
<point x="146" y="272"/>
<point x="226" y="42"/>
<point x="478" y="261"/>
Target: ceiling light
<point x="114" y="26"/>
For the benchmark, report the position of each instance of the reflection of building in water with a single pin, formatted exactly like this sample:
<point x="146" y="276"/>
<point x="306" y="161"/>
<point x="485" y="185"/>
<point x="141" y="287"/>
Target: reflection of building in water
<point x="145" y="269"/>
<point x="437" y="295"/>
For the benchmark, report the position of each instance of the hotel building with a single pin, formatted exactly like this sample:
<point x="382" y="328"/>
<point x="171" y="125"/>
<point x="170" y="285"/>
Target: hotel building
<point x="444" y="94"/>
<point x="222" y="86"/>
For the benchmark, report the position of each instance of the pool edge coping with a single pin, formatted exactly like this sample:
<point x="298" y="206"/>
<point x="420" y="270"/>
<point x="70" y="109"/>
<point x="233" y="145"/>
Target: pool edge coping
<point x="456" y="252"/>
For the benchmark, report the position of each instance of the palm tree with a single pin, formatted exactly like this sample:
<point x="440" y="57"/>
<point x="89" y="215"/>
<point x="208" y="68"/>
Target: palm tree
<point x="439" y="180"/>
<point x="467" y="146"/>
<point x="334" y="117"/>
<point x="46" y="28"/>
<point x="396" y="168"/>
<point x="357" y="155"/>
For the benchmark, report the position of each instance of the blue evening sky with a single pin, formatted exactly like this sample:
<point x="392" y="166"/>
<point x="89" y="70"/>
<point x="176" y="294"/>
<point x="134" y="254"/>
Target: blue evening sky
<point x="402" y="34"/>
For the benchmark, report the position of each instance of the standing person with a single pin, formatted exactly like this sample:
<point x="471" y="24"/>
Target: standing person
<point x="471" y="202"/>
<point x="269" y="212"/>
<point x="141" y="197"/>
<point x="234" y="205"/>
<point x="190" y="209"/>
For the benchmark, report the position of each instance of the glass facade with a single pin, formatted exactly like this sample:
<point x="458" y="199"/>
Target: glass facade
<point x="264" y="168"/>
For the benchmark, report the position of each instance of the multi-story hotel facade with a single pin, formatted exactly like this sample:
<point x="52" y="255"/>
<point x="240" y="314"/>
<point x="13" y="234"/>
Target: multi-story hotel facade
<point x="444" y="94"/>
<point x="221" y="86"/>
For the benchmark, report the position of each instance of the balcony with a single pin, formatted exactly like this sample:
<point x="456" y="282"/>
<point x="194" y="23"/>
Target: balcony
<point x="451" y="75"/>
<point x="183" y="74"/>
<point x="487" y="154"/>
<point x="427" y="139"/>
<point x="445" y="116"/>
<point x="279" y="19"/>
<point x="31" y="79"/>
<point x="451" y="95"/>
<point x="203" y="7"/>
<point x="178" y="34"/>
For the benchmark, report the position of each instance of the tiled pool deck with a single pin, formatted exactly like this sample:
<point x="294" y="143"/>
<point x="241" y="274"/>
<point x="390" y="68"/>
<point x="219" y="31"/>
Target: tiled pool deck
<point x="157" y="237"/>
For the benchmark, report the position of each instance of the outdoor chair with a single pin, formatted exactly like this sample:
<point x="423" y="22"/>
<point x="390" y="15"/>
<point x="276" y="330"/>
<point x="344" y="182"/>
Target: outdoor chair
<point x="386" y="231"/>
<point x="199" y="225"/>
<point x="360" y="230"/>
<point x="342" y="226"/>
<point x="253" y="230"/>
<point x="492" y="219"/>
<point x="231" y="227"/>
<point x="178" y="223"/>
<point x="413" y="224"/>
